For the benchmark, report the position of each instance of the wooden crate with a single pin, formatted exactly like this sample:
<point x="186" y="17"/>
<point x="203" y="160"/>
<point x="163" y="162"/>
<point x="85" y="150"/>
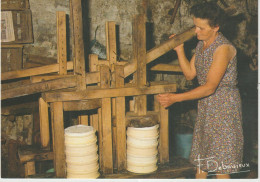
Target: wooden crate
<point x="11" y="58"/>
<point x="14" y="5"/>
<point x="22" y="27"/>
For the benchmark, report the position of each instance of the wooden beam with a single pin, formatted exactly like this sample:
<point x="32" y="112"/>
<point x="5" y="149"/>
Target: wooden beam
<point x="164" y="135"/>
<point x="83" y="120"/>
<point x="82" y="105"/>
<point x="61" y="42"/>
<point x="107" y="156"/>
<point x="44" y="123"/>
<point x="106" y="93"/>
<point x="162" y="49"/>
<point x="111" y="42"/>
<point x="29" y="168"/>
<point x="94" y="121"/>
<point x="166" y="67"/>
<point x="59" y="152"/>
<point x="34" y="71"/>
<point x="79" y="57"/>
<point x="39" y="87"/>
<point x="92" y="77"/>
<point x="18" y="109"/>
<point x="41" y="78"/>
<point x="41" y="60"/>
<point x="139" y="51"/>
<point x="120" y="121"/>
<point x="106" y="123"/>
<point x="93" y="62"/>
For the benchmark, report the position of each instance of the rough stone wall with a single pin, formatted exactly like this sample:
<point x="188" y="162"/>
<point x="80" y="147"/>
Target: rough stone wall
<point x="122" y="12"/>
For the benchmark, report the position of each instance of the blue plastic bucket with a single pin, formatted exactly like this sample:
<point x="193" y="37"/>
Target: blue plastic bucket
<point x="183" y="145"/>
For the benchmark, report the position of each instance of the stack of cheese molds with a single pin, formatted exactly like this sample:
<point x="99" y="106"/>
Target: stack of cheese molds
<point x="81" y="152"/>
<point x="142" y="149"/>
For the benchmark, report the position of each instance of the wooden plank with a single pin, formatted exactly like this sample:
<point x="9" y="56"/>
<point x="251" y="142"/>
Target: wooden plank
<point x="164" y="136"/>
<point x="171" y="171"/>
<point x="29" y="153"/>
<point x="93" y="77"/>
<point x="41" y="78"/>
<point x="111" y="42"/>
<point x="44" y="123"/>
<point x="7" y="5"/>
<point x="82" y="105"/>
<point x="9" y="85"/>
<point x="42" y="60"/>
<point x="111" y="56"/>
<point x="106" y="93"/>
<point x="79" y="56"/>
<point x="29" y="168"/>
<point x="162" y="49"/>
<point x="166" y="67"/>
<point x="11" y="59"/>
<point x="94" y="121"/>
<point x="34" y="71"/>
<point x="39" y="87"/>
<point x="18" y="109"/>
<point x="93" y="62"/>
<point x="106" y="125"/>
<point x="61" y="42"/>
<point x="139" y="51"/>
<point x="107" y="157"/>
<point x="22" y="27"/>
<point x="59" y="153"/>
<point x="100" y="138"/>
<point x="83" y="120"/>
<point x="120" y="121"/>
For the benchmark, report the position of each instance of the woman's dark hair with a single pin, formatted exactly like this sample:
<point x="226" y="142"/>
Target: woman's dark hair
<point x="210" y="11"/>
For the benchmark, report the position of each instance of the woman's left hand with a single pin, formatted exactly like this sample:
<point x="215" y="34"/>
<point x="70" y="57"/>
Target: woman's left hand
<point x="166" y="99"/>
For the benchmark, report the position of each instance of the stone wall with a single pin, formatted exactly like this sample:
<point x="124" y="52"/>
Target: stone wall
<point x="96" y="13"/>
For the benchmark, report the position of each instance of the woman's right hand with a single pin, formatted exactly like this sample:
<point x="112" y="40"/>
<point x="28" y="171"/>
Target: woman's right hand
<point x="179" y="47"/>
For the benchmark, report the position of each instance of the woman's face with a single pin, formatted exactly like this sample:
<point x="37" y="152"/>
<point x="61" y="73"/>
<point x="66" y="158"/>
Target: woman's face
<point x="203" y="30"/>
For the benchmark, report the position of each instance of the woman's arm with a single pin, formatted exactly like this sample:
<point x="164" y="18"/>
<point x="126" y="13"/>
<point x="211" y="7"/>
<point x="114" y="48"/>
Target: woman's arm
<point x="221" y="58"/>
<point x="187" y="67"/>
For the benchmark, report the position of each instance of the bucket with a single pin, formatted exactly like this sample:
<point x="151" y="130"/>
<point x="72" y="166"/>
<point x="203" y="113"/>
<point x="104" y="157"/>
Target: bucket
<point x="183" y="145"/>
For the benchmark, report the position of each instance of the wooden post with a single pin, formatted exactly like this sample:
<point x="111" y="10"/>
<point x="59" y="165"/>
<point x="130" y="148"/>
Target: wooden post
<point x="120" y="121"/>
<point x="61" y="42"/>
<point x="29" y="168"/>
<point x="44" y="123"/>
<point x="79" y="58"/>
<point x="111" y="57"/>
<point x="106" y="124"/>
<point x="83" y="119"/>
<point x="139" y="48"/>
<point x="164" y="135"/>
<point x="111" y="42"/>
<point x="58" y="132"/>
<point x="93" y="63"/>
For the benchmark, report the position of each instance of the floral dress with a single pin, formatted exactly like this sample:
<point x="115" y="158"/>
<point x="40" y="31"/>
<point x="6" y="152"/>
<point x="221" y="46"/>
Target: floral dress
<point x="218" y="137"/>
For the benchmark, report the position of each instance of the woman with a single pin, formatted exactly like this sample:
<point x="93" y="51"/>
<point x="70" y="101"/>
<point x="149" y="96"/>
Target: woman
<point x="217" y="140"/>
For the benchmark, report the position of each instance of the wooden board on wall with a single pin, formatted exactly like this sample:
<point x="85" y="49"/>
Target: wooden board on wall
<point x="11" y="59"/>
<point x="22" y="25"/>
<point x="14" y="5"/>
